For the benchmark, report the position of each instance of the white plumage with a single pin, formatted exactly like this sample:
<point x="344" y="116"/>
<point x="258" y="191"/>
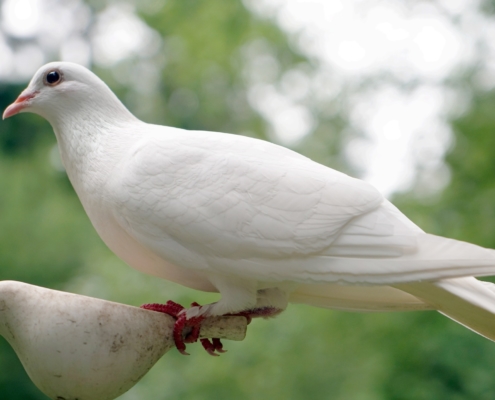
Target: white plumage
<point x="254" y="221"/>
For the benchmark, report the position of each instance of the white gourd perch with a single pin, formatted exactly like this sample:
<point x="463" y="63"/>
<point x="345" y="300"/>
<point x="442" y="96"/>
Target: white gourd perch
<point x="76" y="347"/>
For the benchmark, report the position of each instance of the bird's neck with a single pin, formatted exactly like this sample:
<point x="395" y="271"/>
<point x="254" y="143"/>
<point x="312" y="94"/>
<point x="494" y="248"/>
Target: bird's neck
<point x="91" y="144"/>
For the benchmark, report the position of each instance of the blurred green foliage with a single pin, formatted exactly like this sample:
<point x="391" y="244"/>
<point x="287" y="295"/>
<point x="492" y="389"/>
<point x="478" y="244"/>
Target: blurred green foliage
<point x="46" y="239"/>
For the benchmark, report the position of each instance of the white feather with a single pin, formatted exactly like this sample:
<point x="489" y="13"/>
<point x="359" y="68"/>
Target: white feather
<point x="259" y="223"/>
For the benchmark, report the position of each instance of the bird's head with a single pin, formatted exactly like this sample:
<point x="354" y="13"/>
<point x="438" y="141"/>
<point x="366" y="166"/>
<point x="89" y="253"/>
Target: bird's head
<point x="64" y="88"/>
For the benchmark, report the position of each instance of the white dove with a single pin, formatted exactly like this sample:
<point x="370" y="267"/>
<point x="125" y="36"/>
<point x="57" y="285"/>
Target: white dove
<point x="256" y="222"/>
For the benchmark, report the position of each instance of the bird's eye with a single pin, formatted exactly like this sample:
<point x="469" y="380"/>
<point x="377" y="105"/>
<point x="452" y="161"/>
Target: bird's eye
<point x="52" y="78"/>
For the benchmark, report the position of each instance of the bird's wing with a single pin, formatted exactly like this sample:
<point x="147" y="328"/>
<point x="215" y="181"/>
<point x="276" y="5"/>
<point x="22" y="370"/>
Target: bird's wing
<point x="230" y="196"/>
<point x="255" y="210"/>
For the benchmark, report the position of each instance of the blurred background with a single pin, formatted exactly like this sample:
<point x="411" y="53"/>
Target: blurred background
<point x="399" y="93"/>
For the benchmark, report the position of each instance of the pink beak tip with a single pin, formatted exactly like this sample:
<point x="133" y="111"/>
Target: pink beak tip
<point x="20" y="103"/>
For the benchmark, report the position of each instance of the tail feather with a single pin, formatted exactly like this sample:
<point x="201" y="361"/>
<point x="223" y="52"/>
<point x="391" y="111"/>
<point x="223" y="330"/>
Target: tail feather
<point x="468" y="301"/>
<point x="399" y="268"/>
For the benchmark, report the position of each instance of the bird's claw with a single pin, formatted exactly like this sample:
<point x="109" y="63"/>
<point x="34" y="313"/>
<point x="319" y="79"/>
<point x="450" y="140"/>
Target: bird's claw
<point x="186" y="330"/>
<point x="213" y="347"/>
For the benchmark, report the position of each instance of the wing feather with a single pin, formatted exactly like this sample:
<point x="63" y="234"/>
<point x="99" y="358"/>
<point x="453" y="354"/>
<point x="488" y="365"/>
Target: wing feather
<point x="230" y="196"/>
<point x="239" y="206"/>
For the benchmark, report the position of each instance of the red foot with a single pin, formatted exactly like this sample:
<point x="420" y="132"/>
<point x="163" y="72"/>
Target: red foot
<point x="186" y="330"/>
<point x="214" y="346"/>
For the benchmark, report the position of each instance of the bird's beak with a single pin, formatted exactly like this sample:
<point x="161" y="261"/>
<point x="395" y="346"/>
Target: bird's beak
<point x="22" y="102"/>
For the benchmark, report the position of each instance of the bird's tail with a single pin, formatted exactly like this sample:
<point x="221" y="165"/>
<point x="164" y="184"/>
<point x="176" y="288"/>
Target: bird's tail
<point x="467" y="301"/>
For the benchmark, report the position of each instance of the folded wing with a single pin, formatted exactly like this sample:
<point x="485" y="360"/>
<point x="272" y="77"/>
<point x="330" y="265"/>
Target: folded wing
<point x="248" y="208"/>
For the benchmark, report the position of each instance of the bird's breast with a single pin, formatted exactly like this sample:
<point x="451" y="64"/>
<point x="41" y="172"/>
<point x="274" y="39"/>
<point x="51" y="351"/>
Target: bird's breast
<point x="140" y="257"/>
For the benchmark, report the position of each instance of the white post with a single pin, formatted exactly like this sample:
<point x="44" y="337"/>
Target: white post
<point x="78" y="347"/>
